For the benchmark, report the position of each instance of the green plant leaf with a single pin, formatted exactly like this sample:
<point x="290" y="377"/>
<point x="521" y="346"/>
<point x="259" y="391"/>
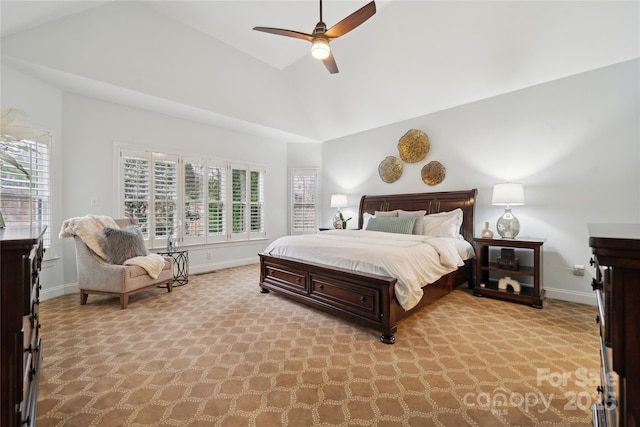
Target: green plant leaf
<point x="6" y="157"/>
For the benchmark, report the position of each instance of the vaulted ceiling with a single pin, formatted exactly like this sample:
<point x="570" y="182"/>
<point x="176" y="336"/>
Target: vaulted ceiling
<point x="201" y="60"/>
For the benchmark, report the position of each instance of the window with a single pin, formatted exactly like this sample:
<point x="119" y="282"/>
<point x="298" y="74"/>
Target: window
<point x="216" y="201"/>
<point x="303" y="195"/>
<point x="191" y="198"/>
<point x="25" y="197"/>
<point x="194" y="200"/>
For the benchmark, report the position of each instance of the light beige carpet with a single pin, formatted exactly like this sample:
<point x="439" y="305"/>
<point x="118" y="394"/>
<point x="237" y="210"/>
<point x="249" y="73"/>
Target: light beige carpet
<point x="217" y="352"/>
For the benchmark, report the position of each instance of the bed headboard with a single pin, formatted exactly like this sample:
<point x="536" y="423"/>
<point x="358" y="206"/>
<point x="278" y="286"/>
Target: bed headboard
<point x="431" y="202"/>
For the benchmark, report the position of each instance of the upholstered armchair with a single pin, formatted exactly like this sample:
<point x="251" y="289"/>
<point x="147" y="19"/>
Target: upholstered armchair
<point x="96" y="276"/>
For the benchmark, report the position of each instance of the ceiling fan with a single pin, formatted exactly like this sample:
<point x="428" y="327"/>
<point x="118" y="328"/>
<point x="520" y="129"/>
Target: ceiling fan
<point x="321" y="36"/>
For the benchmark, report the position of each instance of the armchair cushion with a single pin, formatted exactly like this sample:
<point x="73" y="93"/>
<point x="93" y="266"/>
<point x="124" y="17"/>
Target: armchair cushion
<point x="123" y="243"/>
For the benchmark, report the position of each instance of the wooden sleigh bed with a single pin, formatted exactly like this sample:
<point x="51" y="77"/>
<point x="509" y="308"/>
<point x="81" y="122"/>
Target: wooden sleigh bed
<point x="367" y="299"/>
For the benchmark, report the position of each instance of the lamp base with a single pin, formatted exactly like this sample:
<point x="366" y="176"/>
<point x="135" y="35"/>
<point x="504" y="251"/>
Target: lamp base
<point x="508" y="225"/>
<point x="338" y="221"/>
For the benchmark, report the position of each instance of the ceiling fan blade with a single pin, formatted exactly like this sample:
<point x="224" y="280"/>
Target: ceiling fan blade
<point x="351" y="21"/>
<point x="330" y="63"/>
<point x="287" y="33"/>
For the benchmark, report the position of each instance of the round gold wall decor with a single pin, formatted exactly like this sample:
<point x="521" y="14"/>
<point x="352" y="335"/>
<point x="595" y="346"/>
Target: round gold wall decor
<point x="390" y="169"/>
<point x="433" y="173"/>
<point x="413" y="146"/>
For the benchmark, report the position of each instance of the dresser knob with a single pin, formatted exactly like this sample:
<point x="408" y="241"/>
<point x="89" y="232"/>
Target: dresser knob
<point x="298" y="279"/>
<point x="320" y="287"/>
<point x="363" y="299"/>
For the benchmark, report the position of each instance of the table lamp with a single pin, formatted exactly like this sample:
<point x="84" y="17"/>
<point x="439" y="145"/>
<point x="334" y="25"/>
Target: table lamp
<point x="508" y="194"/>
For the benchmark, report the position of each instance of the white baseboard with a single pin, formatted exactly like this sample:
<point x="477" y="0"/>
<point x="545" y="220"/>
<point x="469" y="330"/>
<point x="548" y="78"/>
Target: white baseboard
<point x="588" y="298"/>
<point x="208" y="268"/>
<point x="57" y="291"/>
<point x="72" y="288"/>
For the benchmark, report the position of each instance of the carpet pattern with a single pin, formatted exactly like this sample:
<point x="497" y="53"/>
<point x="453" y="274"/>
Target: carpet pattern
<point x="217" y="352"/>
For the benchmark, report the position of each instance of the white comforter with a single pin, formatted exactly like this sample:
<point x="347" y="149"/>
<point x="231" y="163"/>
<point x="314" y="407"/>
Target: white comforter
<point x="414" y="260"/>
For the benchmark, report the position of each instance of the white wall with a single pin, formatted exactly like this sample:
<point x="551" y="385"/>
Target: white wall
<point x="569" y="141"/>
<point x="131" y="47"/>
<point x="42" y="104"/>
<point x="574" y="143"/>
<point x="84" y="132"/>
<point x="92" y="127"/>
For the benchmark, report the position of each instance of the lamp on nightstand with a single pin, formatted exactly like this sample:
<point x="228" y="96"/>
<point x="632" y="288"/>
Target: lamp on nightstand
<point x="508" y="194"/>
<point x="339" y="201"/>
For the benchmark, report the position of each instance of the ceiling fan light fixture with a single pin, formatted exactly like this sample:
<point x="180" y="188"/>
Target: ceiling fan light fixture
<point x="320" y="48"/>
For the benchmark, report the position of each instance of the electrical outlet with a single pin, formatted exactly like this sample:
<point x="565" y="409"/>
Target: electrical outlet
<point x="208" y="255"/>
<point x="578" y="270"/>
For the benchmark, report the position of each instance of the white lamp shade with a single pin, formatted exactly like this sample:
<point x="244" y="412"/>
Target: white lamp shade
<point x="509" y="194"/>
<point x="338" y="201"/>
<point x="320" y="48"/>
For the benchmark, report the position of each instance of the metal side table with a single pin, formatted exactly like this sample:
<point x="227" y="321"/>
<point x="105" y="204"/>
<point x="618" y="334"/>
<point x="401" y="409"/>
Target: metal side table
<point x="180" y="266"/>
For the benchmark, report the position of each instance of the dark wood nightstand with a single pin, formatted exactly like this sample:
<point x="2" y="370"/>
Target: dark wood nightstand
<point x="489" y="273"/>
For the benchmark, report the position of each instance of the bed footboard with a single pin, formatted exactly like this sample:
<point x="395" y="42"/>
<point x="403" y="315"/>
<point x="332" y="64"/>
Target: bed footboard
<point x="365" y="299"/>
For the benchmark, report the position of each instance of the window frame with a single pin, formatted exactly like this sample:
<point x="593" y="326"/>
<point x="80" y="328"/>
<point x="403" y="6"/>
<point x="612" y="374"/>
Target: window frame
<point x="297" y="172"/>
<point x="223" y="170"/>
<point x="39" y="184"/>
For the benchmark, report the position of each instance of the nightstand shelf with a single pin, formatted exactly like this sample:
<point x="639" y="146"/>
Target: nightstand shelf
<point x="488" y="272"/>
<point x="522" y="271"/>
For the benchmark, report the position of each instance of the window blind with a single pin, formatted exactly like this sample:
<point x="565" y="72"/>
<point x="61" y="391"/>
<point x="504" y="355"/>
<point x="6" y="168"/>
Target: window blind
<point x="216" y="184"/>
<point x="256" y="200"/>
<point x="136" y="172"/>
<point x="165" y="181"/>
<point x="25" y="200"/>
<point x="214" y="200"/>
<point x="238" y="200"/>
<point x="303" y="200"/>
<point x="194" y="200"/>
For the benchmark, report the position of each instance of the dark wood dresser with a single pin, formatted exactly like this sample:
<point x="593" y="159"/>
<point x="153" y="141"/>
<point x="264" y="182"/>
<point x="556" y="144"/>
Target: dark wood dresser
<point x="616" y="250"/>
<point x="21" y="347"/>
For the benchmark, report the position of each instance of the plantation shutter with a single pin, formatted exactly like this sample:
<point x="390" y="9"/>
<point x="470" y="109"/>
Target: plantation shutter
<point x="239" y="226"/>
<point x="165" y="192"/>
<point x="303" y="200"/>
<point x="136" y="174"/>
<point x="256" y="203"/>
<point x="193" y="178"/>
<point x="193" y="199"/>
<point x="216" y="200"/>
<point x="26" y="199"/>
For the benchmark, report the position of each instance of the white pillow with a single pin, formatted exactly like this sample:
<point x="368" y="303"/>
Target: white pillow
<point x="418" y="226"/>
<point x="365" y="219"/>
<point x="443" y="224"/>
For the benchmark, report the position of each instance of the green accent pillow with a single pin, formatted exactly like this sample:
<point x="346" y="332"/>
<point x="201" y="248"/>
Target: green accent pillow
<point x="122" y="244"/>
<point x="388" y="224"/>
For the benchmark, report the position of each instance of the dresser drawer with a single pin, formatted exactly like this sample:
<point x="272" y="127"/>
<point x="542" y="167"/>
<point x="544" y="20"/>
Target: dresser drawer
<point x="30" y="386"/>
<point x="609" y="390"/>
<point x="601" y="318"/>
<point x="286" y="278"/>
<point x="347" y="296"/>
